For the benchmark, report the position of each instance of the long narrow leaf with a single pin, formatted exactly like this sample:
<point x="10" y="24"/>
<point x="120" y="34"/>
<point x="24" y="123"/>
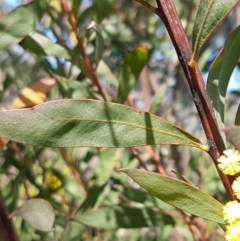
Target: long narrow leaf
<point x="15" y="25"/>
<point x="220" y="74"/>
<point x="210" y="13"/>
<point x="131" y="69"/>
<point x="39" y="44"/>
<point x="72" y="123"/>
<point x="179" y="194"/>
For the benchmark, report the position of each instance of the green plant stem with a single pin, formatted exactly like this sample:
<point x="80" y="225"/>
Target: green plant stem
<point x="169" y="16"/>
<point x="7" y="230"/>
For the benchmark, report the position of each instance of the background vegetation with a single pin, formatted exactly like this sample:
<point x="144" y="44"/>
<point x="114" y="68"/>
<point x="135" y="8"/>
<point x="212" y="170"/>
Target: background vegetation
<point x="90" y="198"/>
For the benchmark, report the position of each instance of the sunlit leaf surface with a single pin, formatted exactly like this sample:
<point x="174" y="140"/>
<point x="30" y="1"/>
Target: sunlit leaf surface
<point x="15" y="25"/>
<point x="72" y="123"/>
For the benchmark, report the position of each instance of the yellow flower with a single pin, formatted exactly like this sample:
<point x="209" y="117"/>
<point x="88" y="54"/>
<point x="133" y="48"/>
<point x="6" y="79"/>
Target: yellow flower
<point x="233" y="232"/>
<point x="229" y="163"/>
<point x="52" y="181"/>
<point x="65" y="171"/>
<point x="236" y="187"/>
<point x="231" y="212"/>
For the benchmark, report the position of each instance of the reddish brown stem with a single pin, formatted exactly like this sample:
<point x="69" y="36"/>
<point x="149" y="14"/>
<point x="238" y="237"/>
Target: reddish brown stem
<point x="135" y="154"/>
<point x="192" y="227"/>
<point x="7" y="230"/>
<point x="149" y="149"/>
<point x="155" y="160"/>
<point x="169" y="16"/>
<point x="86" y="60"/>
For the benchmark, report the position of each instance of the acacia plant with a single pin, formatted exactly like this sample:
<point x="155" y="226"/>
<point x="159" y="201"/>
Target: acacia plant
<point x="50" y="149"/>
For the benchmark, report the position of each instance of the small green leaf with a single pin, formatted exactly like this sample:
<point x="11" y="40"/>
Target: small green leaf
<point x="18" y="23"/>
<point x="38" y="213"/>
<point x="209" y="15"/>
<point x="73" y="89"/>
<point x="179" y="194"/>
<point x="72" y="123"/>
<point x="41" y="45"/>
<point x="124" y="217"/>
<point x="233" y="135"/>
<point x="105" y="166"/>
<point x="157" y="99"/>
<point x="73" y="231"/>
<point x="105" y="73"/>
<point x="131" y="69"/>
<point x="94" y="194"/>
<point x="95" y="32"/>
<point x="102" y="9"/>
<point x="220" y="74"/>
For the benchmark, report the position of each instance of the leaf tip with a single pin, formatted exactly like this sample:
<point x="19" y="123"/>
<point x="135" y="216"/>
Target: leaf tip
<point x="122" y="170"/>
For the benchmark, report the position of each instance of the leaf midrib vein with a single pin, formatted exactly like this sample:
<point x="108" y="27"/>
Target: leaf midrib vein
<point x="116" y="122"/>
<point x="201" y="28"/>
<point x="190" y="196"/>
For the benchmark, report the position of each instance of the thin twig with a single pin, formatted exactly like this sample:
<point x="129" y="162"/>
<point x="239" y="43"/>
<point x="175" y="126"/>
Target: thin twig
<point x="135" y="154"/>
<point x="86" y="60"/>
<point x="155" y="160"/>
<point x="149" y="149"/>
<point x="192" y="226"/>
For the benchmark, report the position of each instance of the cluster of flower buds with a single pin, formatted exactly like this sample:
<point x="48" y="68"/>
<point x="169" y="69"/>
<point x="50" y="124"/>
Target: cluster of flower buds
<point x="229" y="164"/>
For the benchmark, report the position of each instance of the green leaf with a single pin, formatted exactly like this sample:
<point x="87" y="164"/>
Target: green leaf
<point x="157" y="99"/>
<point x="105" y="73"/>
<point x="94" y="194"/>
<point x="73" y="89"/>
<point x="131" y="69"/>
<point x="233" y="135"/>
<point x="179" y="194"/>
<point x="15" y="25"/>
<point x="220" y="74"/>
<point x="124" y="217"/>
<point x="95" y="33"/>
<point x="37" y="212"/>
<point x="41" y="45"/>
<point x="73" y="231"/>
<point x="72" y="123"/>
<point x="103" y="8"/>
<point x="209" y="15"/>
<point x="105" y="166"/>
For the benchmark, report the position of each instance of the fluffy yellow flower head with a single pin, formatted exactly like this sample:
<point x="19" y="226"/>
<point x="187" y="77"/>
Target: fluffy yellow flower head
<point x="229" y="163"/>
<point x="231" y="212"/>
<point x="233" y="232"/>
<point x="236" y="187"/>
